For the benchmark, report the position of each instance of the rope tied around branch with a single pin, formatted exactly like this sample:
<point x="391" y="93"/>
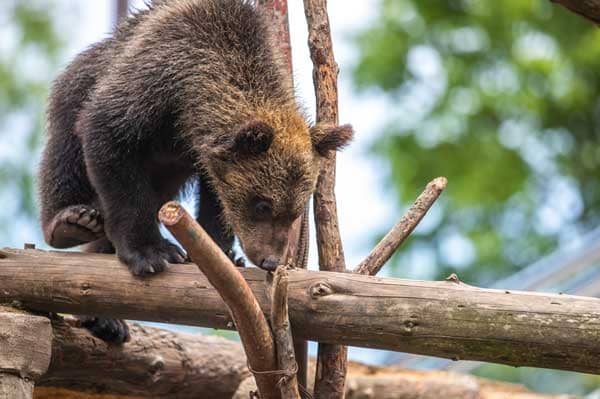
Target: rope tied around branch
<point x="286" y="374"/>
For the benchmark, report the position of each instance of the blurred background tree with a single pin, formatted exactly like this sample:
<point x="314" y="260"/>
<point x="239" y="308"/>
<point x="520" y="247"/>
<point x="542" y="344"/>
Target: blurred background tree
<point x="29" y="53"/>
<point x="502" y="97"/>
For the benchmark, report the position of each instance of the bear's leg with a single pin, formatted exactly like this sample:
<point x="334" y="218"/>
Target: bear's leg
<point x="69" y="217"/>
<point x="110" y="330"/>
<point x="129" y="202"/>
<point x="210" y="216"/>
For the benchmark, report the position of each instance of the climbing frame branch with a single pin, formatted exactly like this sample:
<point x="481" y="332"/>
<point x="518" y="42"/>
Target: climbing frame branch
<point x="332" y="359"/>
<point x="392" y="240"/>
<point x="589" y="9"/>
<point x="299" y="234"/>
<point x="225" y="277"/>
<point x="282" y="332"/>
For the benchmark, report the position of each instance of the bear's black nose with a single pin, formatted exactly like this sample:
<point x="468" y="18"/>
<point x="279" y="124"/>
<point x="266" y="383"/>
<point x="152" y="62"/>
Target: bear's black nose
<point x="269" y="264"/>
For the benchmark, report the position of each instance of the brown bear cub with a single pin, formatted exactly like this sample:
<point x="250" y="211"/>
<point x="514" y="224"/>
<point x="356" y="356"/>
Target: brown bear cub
<point x="185" y="91"/>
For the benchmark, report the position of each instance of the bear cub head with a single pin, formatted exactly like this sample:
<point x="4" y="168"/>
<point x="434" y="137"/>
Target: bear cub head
<point x="264" y="174"/>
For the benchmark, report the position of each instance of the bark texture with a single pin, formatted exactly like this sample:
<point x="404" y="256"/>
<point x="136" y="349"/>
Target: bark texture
<point x="445" y="319"/>
<point x="225" y="277"/>
<point x="163" y="364"/>
<point x="589" y="9"/>
<point x="332" y="359"/>
<point x="155" y="363"/>
<point x="25" y="347"/>
<point x="282" y="333"/>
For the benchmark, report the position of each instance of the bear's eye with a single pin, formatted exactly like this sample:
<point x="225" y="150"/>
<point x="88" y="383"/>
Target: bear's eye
<point x="263" y="210"/>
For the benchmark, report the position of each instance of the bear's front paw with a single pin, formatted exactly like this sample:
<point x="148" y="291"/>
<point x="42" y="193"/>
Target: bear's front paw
<point x="151" y="259"/>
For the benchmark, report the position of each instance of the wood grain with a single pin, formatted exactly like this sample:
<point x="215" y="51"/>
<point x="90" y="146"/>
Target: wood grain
<point x="25" y="348"/>
<point x="444" y="319"/>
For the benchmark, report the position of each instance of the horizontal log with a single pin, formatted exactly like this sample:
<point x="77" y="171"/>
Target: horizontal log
<point x="165" y="364"/>
<point x="154" y="363"/>
<point x="445" y="319"/>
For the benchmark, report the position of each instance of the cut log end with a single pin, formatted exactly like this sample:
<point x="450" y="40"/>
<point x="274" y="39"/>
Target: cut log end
<point x="170" y="213"/>
<point x="439" y="183"/>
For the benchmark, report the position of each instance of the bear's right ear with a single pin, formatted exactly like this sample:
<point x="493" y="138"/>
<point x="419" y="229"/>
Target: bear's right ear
<point x="327" y="138"/>
<point x="252" y="139"/>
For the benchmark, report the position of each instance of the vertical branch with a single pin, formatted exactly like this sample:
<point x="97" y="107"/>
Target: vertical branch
<point x="299" y="235"/>
<point x="121" y="9"/>
<point x="332" y="359"/>
<point x="282" y="334"/>
<point x="278" y="10"/>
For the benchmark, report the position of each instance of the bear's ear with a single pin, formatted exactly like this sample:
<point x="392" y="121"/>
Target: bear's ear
<point x="251" y="139"/>
<point x="327" y="138"/>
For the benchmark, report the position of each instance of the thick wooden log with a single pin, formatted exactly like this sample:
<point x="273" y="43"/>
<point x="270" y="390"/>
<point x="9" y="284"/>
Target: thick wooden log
<point x="164" y="364"/>
<point x="154" y="363"/>
<point x="25" y="346"/>
<point x="444" y="319"/>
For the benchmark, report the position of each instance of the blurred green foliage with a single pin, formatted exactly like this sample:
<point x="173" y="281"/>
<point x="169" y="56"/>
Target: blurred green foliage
<point x="501" y="97"/>
<point x="29" y="51"/>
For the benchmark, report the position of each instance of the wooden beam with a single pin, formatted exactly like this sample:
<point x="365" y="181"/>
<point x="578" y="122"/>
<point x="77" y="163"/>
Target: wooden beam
<point x="445" y="319"/>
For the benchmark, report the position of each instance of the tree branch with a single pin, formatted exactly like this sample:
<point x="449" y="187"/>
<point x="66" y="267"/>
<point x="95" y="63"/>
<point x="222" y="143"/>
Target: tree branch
<point x="589" y="9"/>
<point x="392" y="240"/>
<point x="283" y="336"/>
<point x="444" y="319"/>
<point x="332" y="359"/>
<point x="225" y="277"/>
